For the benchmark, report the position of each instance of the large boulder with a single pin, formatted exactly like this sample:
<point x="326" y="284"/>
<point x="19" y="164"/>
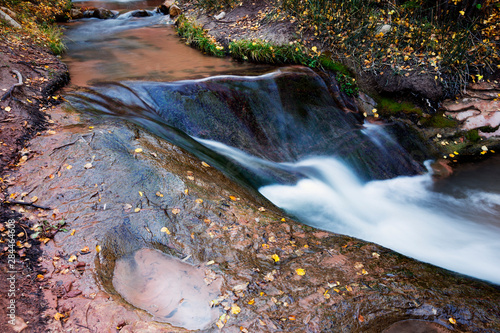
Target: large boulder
<point x="75" y="13"/>
<point x="141" y="13"/>
<point x="165" y="7"/>
<point x="174" y="11"/>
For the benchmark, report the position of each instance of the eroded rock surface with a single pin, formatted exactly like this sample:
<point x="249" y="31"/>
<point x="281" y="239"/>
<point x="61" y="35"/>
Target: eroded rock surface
<point x="123" y="190"/>
<point x="478" y="108"/>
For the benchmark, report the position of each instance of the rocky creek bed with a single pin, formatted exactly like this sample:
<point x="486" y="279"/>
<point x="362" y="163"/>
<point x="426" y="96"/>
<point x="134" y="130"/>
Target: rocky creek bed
<point x="109" y="197"/>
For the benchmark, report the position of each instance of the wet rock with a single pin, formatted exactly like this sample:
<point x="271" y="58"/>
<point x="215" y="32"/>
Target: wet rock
<point x="100" y="13"/>
<point x="9" y="20"/>
<point x="165" y="7"/>
<point x="174" y="11"/>
<point x="75" y="13"/>
<point x="416" y="326"/>
<point x="141" y="13"/>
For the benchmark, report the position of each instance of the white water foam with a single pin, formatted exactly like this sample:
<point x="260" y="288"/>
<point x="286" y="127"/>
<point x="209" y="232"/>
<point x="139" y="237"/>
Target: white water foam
<point x="401" y="213"/>
<point x="459" y="233"/>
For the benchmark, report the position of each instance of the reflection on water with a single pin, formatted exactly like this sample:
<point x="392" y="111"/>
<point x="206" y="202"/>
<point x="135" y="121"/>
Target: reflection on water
<point x="169" y="289"/>
<point x="128" y="48"/>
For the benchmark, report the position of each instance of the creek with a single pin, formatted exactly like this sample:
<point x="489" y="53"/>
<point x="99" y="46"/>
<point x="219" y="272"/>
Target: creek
<point x="280" y="131"/>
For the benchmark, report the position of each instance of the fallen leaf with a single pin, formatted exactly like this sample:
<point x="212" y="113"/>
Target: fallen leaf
<point x="8" y="108"/>
<point x="292" y="317"/>
<point x="69" y="167"/>
<point x="262" y="209"/>
<point x="233" y="198"/>
<point x="252" y="301"/>
<point x="40" y="277"/>
<point x="235" y="309"/>
<point x="127" y="206"/>
<point x="98" y="248"/>
<point x="361" y="318"/>
<point x="300" y="271"/>
<point x="34" y="199"/>
<point x="165" y="230"/>
<point x="275" y="257"/>
<point x="72" y="232"/>
<point x="51" y="132"/>
<point x="199" y="201"/>
<point x="211" y="262"/>
<point x="137" y="210"/>
<point x="72" y="258"/>
<point x="452" y="320"/>
<point x="176" y="211"/>
<point x="58" y="316"/>
<point x="158" y="194"/>
<point x="140" y="193"/>
<point x="206" y="165"/>
<point x="138" y="150"/>
<point x="86" y="249"/>
<point x="88" y="165"/>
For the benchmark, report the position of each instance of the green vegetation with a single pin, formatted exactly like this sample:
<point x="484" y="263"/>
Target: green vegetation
<point x="390" y="107"/>
<point x="261" y="51"/>
<point x="473" y="135"/>
<point x="199" y="38"/>
<point x="37" y="19"/>
<point x="439" y="120"/>
<point x="456" y="41"/>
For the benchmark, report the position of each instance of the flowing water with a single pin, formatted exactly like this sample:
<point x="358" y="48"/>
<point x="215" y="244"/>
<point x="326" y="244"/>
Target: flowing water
<point x="282" y="133"/>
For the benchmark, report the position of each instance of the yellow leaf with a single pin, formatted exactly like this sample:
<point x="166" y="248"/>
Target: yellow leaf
<point x="235" y="309"/>
<point x="364" y="272"/>
<point x="176" y="211"/>
<point x="51" y="132"/>
<point x="72" y="258"/>
<point x="58" y="316"/>
<point x="69" y="167"/>
<point x="8" y="108"/>
<point x="262" y="209"/>
<point x="140" y="193"/>
<point x="137" y="210"/>
<point x="265" y="246"/>
<point x="199" y="201"/>
<point x="349" y="288"/>
<point x="88" y="165"/>
<point x="91" y="127"/>
<point x="165" y="229"/>
<point x="300" y="271"/>
<point x="314" y="48"/>
<point x="98" y="248"/>
<point x="40" y="277"/>
<point x="34" y="199"/>
<point x="462" y="12"/>
<point x="292" y="317"/>
<point x="186" y="191"/>
<point x="138" y="150"/>
<point x="452" y="320"/>
<point x="283" y="219"/>
<point x="275" y="257"/>
<point x="479" y="77"/>
<point x="233" y="198"/>
<point x="158" y="194"/>
<point x="252" y="301"/>
<point x="206" y="165"/>
<point x="72" y="232"/>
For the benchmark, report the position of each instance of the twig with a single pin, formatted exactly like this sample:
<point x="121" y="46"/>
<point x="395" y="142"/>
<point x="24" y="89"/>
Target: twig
<point x="65" y="145"/>
<point x="25" y="204"/>
<point x="20" y="83"/>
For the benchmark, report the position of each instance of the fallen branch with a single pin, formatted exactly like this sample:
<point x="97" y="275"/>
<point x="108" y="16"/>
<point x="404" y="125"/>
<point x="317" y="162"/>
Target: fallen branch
<point x="20" y="83"/>
<point x="10" y="21"/>
<point x="25" y="204"/>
